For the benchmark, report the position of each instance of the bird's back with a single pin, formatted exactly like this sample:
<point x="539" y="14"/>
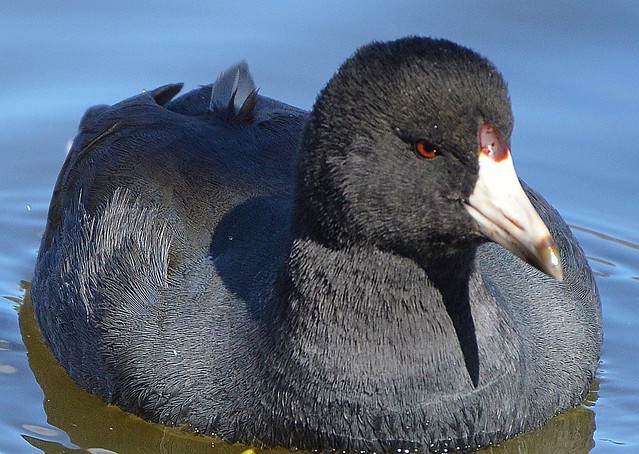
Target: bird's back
<point x="166" y="220"/>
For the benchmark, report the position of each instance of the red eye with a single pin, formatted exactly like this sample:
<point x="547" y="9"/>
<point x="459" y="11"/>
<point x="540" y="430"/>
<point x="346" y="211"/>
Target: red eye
<point x="426" y="149"/>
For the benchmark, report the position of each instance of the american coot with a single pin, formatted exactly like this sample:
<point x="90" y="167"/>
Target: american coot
<point x="225" y="262"/>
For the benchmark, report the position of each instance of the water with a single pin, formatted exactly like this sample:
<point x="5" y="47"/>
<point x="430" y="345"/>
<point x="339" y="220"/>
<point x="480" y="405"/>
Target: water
<point x="573" y="71"/>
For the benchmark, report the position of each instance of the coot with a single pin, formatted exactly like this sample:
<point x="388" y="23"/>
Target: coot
<point x="371" y="276"/>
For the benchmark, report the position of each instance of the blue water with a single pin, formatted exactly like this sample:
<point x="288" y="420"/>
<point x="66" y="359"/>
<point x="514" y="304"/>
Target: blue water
<point x="573" y="72"/>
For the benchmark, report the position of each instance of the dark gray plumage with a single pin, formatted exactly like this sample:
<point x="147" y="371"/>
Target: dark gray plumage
<point x="210" y="261"/>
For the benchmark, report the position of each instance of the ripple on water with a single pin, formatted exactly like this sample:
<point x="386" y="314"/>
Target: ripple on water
<point x="40" y="430"/>
<point x="8" y="369"/>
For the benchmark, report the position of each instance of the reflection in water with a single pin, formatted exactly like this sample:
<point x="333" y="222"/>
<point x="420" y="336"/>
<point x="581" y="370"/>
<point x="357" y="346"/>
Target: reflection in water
<point x="89" y="422"/>
<point x="95" y="426"/>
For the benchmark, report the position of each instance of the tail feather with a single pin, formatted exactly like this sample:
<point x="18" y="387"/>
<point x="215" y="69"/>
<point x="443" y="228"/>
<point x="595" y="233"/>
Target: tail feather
<point x="234" y="92"/>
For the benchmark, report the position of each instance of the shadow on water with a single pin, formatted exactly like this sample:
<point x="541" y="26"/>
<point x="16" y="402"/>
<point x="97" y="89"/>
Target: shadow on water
<point x="92" y="426"/>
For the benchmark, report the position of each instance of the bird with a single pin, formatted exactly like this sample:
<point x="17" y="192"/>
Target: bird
<point x="369" y="276"/>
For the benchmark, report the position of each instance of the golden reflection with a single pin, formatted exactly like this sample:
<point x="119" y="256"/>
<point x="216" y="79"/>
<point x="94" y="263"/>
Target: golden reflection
<point x="97" y="427"/>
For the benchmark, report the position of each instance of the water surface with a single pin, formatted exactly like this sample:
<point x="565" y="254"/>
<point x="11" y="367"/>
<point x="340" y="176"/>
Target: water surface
<point x="573" y="72"/>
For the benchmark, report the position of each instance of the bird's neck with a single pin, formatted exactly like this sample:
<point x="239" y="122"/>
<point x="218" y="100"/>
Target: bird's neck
<point x="348" y="314"/>
<point x="357" y="336"/>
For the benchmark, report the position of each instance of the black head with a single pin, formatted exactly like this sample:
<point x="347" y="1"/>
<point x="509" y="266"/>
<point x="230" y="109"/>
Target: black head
<point x="391" y="152"/>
